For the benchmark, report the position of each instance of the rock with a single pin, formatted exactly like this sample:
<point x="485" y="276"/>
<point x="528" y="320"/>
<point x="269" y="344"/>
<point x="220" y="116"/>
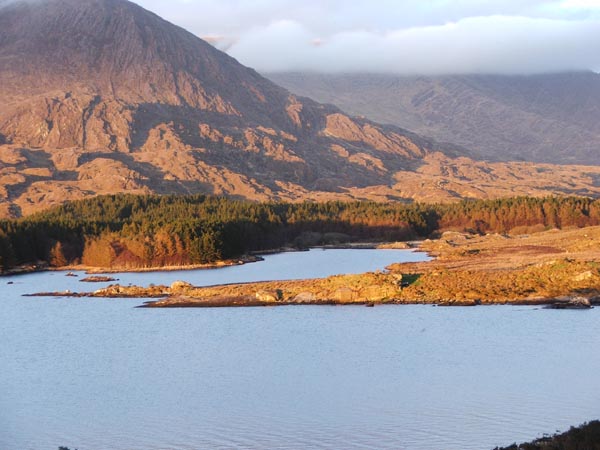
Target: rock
<point x="370" y="305"/>
<point x="180" y="286"/>
<point x="395" y="246"/>
<point x="464" y="302"/>
<point x="584" y="276"/>
<point x="116" y="291"/>
<point x="571" y="303"/>
<point x="96" y="279"/>
<point x="305" y="297"/>
<point x="376" y="292"/>
<point x="269" y="296"/>
<point x="398" y="277"/>
<point x="345" y="294"/>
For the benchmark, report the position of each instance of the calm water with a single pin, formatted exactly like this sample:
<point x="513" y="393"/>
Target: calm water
<point x="100" y="374"/>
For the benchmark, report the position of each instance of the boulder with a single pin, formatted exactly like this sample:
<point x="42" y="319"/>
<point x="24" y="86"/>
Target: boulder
<point x="305" y="297"/>
<point x="345" y="295"/>
<point x="97" y="279"/>
<point x="462" y="302"/>
<point x="178" y="286"/>
<point x="376" y="292"/>
<point x="571" y="303"/>
<point x="269" y="296"/>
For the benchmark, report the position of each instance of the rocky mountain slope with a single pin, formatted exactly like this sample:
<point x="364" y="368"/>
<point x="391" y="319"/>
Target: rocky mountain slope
<point x="553" y="118"/>
<point x="102" y="96"/>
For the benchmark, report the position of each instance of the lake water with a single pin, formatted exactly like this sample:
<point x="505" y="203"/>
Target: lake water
<point x="98" y="374"/>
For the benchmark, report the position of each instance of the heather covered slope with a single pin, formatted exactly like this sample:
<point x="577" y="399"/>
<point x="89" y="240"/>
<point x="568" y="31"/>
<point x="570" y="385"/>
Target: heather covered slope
<point x="553" y="118"/>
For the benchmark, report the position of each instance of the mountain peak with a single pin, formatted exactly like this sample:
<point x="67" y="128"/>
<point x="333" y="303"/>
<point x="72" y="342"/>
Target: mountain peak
<point x="115" y="45"/>
<point x="102" y="96"/>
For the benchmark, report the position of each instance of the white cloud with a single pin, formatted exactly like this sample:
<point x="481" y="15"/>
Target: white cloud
<point x="581" y="4"/>
<point x="401" y="36"/>
<point x="495" y="44"/>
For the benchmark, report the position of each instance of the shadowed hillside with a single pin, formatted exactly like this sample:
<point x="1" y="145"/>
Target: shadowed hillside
<point x="553" y="118"/>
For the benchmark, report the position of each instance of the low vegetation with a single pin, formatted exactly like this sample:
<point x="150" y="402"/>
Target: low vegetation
<point x="501" y="268"/>
<point x="584" y="437"/>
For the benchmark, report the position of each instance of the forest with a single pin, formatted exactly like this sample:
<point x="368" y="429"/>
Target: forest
<point x="129" y="232"/>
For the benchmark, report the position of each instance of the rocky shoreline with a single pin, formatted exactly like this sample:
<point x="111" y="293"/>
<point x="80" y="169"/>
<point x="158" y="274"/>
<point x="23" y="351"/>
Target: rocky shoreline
<point x="337" y="290"/>
<point x="554" y="269"/>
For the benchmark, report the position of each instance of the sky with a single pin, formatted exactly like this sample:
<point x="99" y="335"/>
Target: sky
<point x="397" y="36"/>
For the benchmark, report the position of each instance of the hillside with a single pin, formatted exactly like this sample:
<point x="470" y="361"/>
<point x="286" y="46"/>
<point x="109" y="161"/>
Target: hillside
<point x="102" y="96"/>
<point x="553" y="118"/>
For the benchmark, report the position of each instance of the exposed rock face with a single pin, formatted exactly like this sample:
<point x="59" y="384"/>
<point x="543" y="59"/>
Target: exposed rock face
<point x="550" y="118"/>
<point x="571" y="303"/>
<point x="102" y="96"/>
<point x="305" y="297"/>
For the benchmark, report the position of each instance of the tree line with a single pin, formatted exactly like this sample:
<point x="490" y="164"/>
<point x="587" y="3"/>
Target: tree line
<point x="130" y="231"/>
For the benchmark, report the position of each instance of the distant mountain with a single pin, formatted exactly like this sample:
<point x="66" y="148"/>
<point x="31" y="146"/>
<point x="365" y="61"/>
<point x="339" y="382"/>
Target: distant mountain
<point x="552" y="118"/>
<point x="102" y="96"/>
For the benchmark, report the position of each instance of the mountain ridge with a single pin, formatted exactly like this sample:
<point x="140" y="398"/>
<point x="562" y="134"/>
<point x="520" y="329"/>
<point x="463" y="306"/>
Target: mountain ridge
<point x="102" y="97"/>
<point x="550" y="118"/>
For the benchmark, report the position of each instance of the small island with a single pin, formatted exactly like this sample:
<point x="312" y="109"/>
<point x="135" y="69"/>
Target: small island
<point x="98" y="279"/>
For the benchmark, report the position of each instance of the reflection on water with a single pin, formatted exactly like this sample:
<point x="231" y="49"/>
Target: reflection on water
<point x="101" y="374"/>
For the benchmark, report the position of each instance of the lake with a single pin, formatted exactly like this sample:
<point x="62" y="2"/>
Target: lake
<point x="98" y="374"/>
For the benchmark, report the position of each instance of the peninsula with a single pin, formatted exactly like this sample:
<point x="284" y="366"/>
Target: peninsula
<point x="558" y="268"/>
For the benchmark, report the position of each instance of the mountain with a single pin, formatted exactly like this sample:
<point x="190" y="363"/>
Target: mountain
<point x="102" y="96"/>
<point x="553" y="118"/>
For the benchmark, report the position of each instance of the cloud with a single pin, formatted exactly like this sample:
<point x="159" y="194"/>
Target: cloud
<point x="495" y="44"/>
<point x="581" y="4"/>
<point x="398" y="36"/>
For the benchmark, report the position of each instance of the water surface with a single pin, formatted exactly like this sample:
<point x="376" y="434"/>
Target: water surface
<point x="99" y="374"/>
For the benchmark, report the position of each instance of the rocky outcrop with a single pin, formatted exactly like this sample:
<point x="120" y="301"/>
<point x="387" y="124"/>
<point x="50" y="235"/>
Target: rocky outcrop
<point x="305" y="297"/>
<point x="118" y="291"/>
<point x="98" y="279"/>
<point x="103" y="97"/>
<point x="180" y="286"/>
<point x="119" y="100"/>
<point x="543" y="118"/>
<point x="576" y="302"/>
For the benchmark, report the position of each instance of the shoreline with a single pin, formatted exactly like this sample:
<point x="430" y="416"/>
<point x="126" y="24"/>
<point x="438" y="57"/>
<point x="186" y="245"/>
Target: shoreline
<point x="93" y="270"/>
<point x="251" y="257"/>
<point x="369" y="289"/>
<point x="162" y="297"/>
<point x="555" y="269"/>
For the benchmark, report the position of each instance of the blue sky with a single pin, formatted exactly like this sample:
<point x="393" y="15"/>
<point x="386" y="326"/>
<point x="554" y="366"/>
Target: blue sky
<point x="397" y="36"/>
